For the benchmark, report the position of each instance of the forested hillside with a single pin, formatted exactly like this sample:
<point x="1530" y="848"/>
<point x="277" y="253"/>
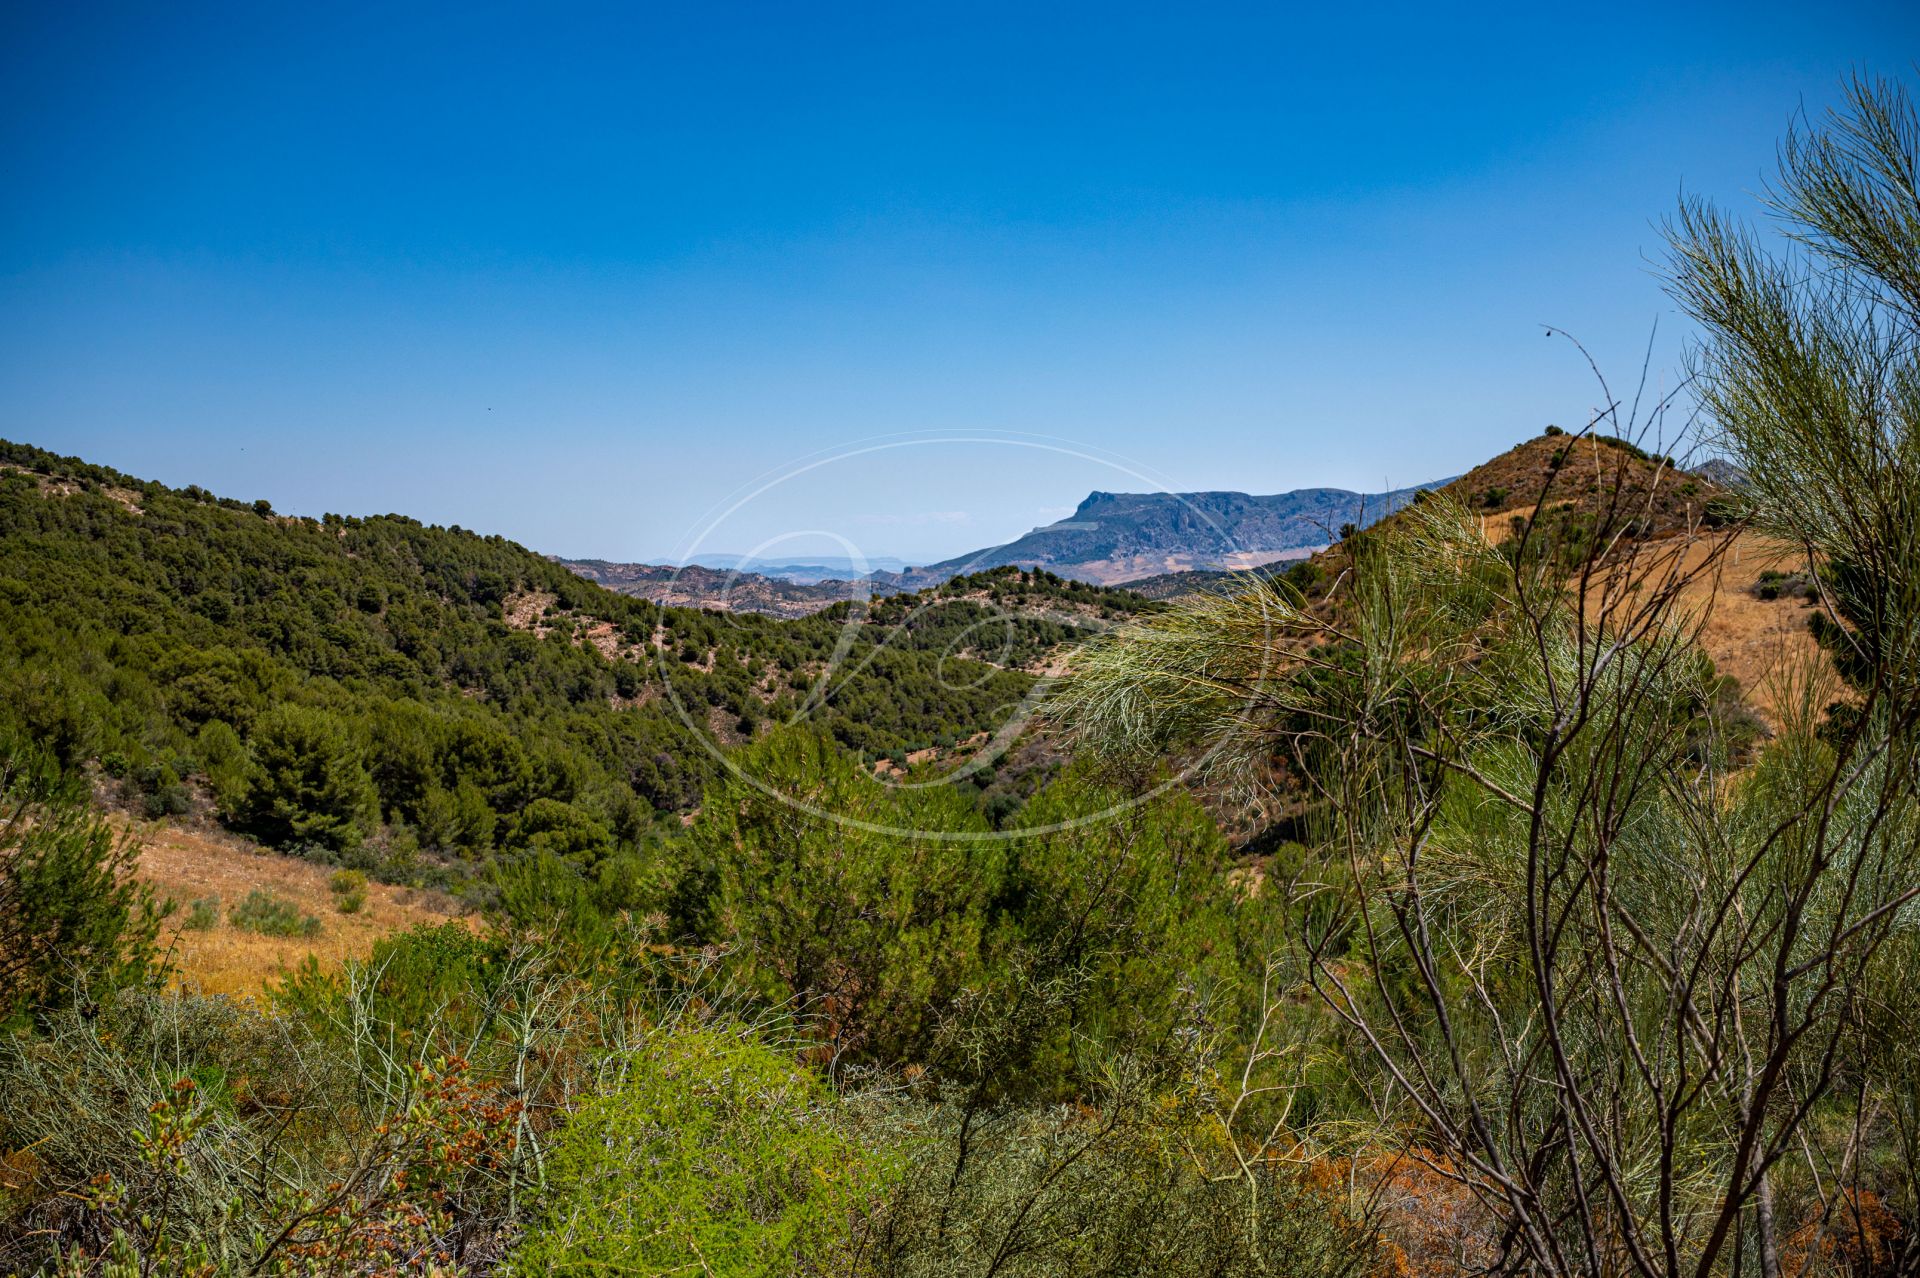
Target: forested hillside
<point x="1012" y="997"/>
<point x="345" y="683"/>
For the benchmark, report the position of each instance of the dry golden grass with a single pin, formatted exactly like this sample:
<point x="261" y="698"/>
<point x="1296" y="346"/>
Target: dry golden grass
<point x="188" y="865"/>
<point x="1590" y="472"/>
<point x="1755" y="640"/>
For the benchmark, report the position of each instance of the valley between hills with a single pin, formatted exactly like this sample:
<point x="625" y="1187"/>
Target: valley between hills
<point x="482" y="662"/>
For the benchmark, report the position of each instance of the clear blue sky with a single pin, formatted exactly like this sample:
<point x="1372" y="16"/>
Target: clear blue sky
<point x="576" y="274"/>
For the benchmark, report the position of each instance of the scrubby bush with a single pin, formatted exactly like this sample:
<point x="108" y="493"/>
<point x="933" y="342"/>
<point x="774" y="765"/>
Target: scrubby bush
<point x="716" y="1154"/>
<point x="203" y="914"/>
<point x="349" y="888"/>
<point x="272" y="915"/>
<point x="1775" y="584"/>
<point x="147" y="1126"/>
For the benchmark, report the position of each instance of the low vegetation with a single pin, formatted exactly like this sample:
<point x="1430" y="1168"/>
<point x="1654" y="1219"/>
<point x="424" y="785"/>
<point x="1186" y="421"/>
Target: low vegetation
<point x="263" y="912"/>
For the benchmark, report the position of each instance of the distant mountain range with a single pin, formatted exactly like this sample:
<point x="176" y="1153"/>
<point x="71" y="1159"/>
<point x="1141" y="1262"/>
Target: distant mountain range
<point x="1110" y="539"/>
<point x="814" y="568"/>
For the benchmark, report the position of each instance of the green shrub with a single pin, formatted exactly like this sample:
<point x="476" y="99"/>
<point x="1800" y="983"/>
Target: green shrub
<point x="72" y="916"/>
<point x="202" y="914"/>
<point x="1721" y="511"/>
<point x="272" y="915"/>
<point x="718" y="1155"/>
<point x="349" y="888"/>
<point x="444" y="976"/>
<point x="1774" y="584"/>
<point x="884" y="931"/>
<point x="172" y="799"/>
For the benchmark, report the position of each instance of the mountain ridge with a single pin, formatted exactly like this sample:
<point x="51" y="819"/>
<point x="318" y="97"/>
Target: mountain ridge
<point x="1110" y="539"/>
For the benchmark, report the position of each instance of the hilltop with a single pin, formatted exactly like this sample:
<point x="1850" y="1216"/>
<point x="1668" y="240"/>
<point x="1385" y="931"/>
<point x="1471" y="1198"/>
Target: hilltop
<point x="1567" y="477"/>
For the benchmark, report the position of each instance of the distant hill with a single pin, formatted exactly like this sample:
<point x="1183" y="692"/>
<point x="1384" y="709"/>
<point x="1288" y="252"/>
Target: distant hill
<point x="811" y="569"/>
<point x="1112" y="538"/>
<point x="1718" y="470"/>
<point x="695" y="586"/>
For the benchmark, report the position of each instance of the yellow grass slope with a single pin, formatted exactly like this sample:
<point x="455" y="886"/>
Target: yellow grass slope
<point x="189" y="865"/>
<point x="1757" y="641"/>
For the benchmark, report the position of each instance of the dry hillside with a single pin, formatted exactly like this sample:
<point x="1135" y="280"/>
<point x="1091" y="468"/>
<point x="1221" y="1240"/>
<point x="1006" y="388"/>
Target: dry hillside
<point x="1586" y="476"/>
<point x="1667" y="513"/>
<point x="1754" y="631"/>
<point x="190" y="866"/>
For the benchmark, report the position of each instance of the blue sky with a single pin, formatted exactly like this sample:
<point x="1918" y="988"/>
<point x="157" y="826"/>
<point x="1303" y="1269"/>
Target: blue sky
<point x="582" y="275"/>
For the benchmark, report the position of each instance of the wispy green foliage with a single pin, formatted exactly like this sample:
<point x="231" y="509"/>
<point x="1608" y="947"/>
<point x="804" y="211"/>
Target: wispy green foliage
<point x="1812" y="370"/>
<point x="1121" y="1185"/>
